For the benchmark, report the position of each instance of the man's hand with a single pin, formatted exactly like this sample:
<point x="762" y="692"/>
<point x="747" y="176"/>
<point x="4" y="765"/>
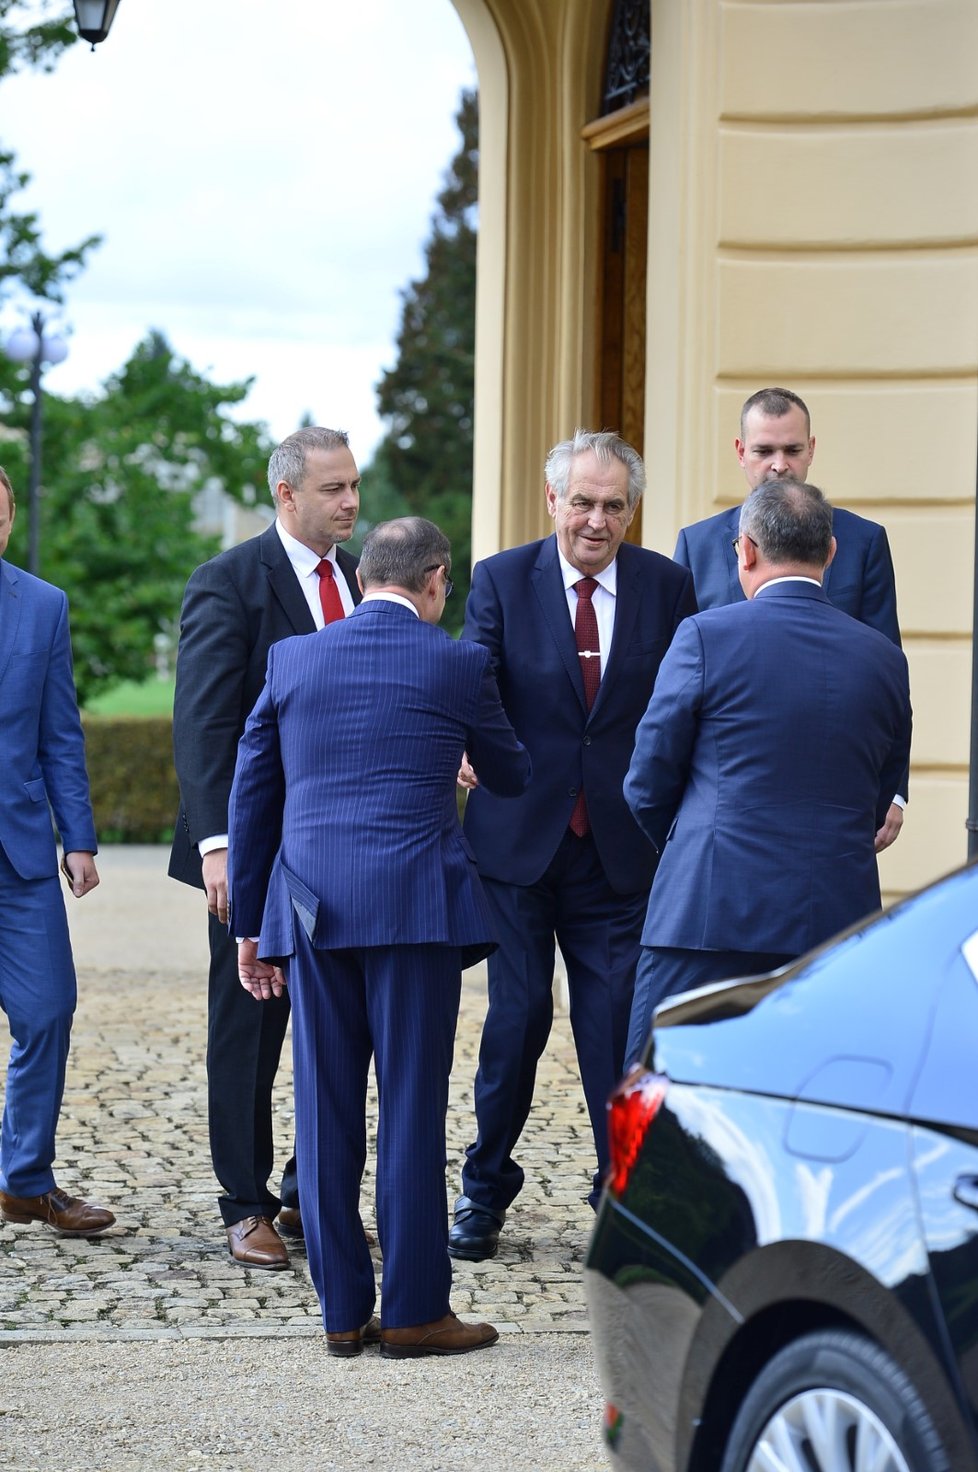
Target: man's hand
<point x="79" y="869"/>
<point x="466" y="774"/>
<point x="258" y="977"/>
<point x="890" y="830"/>
<point x="214" y="867"/>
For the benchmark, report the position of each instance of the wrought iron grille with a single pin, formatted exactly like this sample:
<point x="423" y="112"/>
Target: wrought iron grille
<point x="627" y="75"/>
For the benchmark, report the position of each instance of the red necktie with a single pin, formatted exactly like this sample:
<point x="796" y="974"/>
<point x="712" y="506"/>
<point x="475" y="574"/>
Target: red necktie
<point x="329" y="593"/>
<point x="589" y="652"/>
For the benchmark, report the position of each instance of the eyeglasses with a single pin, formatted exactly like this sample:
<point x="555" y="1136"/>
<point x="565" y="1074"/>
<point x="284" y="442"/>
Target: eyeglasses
<point x="735" y="544"/>
<point x="449" y="585"/>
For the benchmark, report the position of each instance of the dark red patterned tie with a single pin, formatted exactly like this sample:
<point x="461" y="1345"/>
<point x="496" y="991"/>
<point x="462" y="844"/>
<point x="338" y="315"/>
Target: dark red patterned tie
<point x="589" y="653"/>
<point x="329" y="593"/>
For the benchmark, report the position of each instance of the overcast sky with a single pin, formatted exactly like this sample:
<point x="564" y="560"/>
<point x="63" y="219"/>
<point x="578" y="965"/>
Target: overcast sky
<point x="264" y="175"/>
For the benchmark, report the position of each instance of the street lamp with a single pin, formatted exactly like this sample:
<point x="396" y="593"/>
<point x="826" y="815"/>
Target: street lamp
<point x="94" y="18"/>
<point x="33" y="347"/>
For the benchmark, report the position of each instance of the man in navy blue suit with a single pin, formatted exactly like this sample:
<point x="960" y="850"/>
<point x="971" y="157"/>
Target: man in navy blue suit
<point x="42" y="769"/>
<point x="775" y="441"/>
<point x="236" y="606"/>
<point x="346" y="858"/>
<point x="765" y="763"/>
<point x="576" y="626"/>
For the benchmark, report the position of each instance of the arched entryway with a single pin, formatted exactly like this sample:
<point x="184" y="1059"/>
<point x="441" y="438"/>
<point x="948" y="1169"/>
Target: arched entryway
<point x="620" y="136"/>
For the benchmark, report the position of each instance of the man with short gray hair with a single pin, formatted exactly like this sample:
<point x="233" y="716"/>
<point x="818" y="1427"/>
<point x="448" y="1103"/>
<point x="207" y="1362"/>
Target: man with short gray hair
<point x="576" y="625"/>
<point x="348" y="866"/>
<point x="775" y="738"/>
<point x="291" y="579"/>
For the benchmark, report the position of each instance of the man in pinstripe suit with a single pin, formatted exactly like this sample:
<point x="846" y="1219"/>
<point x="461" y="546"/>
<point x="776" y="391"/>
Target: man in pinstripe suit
<point x="348" y="868"/>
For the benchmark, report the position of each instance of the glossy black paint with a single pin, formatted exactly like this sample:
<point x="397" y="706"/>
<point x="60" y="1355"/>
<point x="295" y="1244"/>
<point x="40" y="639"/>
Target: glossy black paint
<point x="815" y="1162"/>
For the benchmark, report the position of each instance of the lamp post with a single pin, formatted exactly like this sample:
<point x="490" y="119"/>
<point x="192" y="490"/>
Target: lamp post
<point x="33" y="347"/>
<point x="94" y="18"/>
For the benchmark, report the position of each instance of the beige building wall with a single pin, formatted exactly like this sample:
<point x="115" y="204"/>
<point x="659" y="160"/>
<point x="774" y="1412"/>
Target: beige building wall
<point x="813" y="221"/>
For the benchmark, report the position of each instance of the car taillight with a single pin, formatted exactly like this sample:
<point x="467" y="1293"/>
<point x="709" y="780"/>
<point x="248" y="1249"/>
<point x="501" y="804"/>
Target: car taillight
<point x="631" y="1109"/>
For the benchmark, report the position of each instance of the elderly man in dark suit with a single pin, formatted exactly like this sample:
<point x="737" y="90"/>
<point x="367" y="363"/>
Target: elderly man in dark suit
<point x="765" y="764"/>
<point x="576" y="626"/>
<point x="776" y="441"/>
<point x="42" y="770"/>
<point x="292" y="579"/>
<point x="347" y="859"/>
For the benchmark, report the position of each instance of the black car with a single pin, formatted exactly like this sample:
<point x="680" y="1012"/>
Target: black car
<point x="783" y="1275"/>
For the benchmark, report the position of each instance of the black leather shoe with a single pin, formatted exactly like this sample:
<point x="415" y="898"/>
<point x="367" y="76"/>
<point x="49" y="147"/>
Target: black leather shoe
<point x="474" y="1235"/>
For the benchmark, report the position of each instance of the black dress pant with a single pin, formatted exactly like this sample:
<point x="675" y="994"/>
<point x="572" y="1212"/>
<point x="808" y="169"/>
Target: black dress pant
<point x="244" y="1045"/>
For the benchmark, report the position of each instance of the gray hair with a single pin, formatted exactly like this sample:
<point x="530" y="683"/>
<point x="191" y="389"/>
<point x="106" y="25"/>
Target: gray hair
<point x="607" y="446"/>
<point x="402" y="554"/>
<point x="790" y="521"/>
<point x="288" y="461"/>
<point x="5" y="482"/>
<point x="774" y="403"/>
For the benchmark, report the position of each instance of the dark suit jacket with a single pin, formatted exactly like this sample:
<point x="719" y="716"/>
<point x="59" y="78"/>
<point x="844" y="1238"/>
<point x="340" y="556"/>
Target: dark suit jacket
<point x="518" y="609"/>
<point x="343" y="811"/>
<point x="859" y="580"/>
<point x="762" y="769"/>
<point x="235" y="608"/>
<point x="41" y="742"/>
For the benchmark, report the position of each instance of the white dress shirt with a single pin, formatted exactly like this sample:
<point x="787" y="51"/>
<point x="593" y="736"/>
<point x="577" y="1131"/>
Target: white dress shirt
<point x="604" y="600"/>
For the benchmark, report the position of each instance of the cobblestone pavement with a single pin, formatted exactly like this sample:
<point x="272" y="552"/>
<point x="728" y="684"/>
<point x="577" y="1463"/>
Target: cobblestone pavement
<point x="133" y="1136"/>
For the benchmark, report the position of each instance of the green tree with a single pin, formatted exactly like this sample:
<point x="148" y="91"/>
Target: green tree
<point x="122" y="471"/>
<point x="424" y="462"/>
<point x="47" y="33"/>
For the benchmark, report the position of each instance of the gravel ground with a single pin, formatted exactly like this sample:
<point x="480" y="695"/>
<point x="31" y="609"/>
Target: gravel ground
<point x="148" y="1347"/>
<point x="528" y="1404"/>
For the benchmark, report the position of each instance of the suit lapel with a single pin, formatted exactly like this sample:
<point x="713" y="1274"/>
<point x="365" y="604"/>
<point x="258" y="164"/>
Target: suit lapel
<point x="627" y="598"/>
<point x="729" y="528"/>
<point x="284" y="583"/>
<point x="827" y="574"/>
<point x="10" y="608"/>
<point x="348" y="567"/>
<point x="548" y="585"/>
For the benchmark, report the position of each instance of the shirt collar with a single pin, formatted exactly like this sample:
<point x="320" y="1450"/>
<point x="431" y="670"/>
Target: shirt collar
<point x="302" y="558"/>
<point x="608" y="579"/>
<point x="380" y="597"/>
<point x="789" y="578"/>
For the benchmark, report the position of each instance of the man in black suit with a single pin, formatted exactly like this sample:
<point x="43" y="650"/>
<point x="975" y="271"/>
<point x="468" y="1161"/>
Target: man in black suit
<point x="292" y="579"/>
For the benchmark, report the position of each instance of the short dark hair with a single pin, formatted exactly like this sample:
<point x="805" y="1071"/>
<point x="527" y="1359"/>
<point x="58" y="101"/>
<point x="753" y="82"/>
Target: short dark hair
<point x="5" y="482"/>
<point x="288" y="460"/>
<point x="774" y="402"/>
<point x="403" y="553"/>
<point x="790" y="521"/>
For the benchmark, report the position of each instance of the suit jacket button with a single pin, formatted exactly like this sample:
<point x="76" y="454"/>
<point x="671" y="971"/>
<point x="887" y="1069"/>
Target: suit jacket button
<point x="572" y="792"/>
<point x="587" y="741"/>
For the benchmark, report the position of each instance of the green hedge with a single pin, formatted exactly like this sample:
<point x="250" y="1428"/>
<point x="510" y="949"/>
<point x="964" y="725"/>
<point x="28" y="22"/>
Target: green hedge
<point x="130" y="769"/>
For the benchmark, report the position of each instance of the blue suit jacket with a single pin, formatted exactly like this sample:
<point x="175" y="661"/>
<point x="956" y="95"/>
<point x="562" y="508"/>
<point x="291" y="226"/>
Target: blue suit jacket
<point x="343" y="813"/>
<point x="42" y="748"/>
<point x="762" y="769"/>
<point x="518" y="609"/>
<point x="859" y="580"/>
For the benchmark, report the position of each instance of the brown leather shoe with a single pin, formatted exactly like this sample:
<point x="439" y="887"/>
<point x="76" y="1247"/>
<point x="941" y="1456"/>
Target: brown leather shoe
<point x="351" y="1341"/>
<point x="65" y="1214"/>
<point x="289" y="1222"/>
<point x="444" y="1336"/>
<point x="255" y="1242"/>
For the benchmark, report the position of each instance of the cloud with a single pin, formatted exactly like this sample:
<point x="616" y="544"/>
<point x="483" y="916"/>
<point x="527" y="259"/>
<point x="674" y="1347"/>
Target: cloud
<point x="264" y="177"/>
